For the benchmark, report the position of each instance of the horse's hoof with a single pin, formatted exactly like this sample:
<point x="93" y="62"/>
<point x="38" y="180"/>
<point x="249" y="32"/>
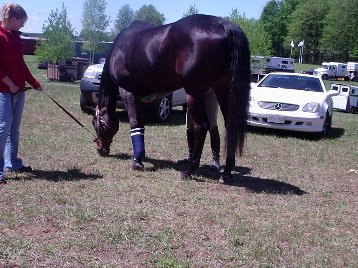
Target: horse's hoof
<point x="138" y="166"/>
<point x="103" y="152"/>
<point x="224" y="179"/>
<point x="185" y="176"/>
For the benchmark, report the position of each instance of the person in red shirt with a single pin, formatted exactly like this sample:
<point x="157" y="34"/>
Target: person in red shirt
<point x="13" y="75"/>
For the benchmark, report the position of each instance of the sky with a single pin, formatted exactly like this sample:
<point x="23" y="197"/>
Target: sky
<point x="38" y="11"/>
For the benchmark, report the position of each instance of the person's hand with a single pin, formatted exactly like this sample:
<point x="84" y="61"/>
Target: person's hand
<point x="14" y="89"/>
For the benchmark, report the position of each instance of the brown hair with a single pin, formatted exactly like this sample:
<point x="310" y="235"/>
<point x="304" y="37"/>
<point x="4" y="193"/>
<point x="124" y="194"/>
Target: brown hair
<point x="10" y="10"/>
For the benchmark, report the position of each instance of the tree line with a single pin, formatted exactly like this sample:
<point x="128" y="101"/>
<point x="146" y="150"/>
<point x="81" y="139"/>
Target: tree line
<point x="326" y="29"/>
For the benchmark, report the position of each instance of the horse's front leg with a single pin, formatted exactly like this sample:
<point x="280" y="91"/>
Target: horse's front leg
<point x="135" y="112"/>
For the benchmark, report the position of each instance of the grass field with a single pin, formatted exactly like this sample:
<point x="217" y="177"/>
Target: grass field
<point x="293" y="204"/>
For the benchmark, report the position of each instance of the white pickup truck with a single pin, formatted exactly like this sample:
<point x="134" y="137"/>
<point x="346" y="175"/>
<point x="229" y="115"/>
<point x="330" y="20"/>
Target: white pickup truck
<point x="332" y="70"/>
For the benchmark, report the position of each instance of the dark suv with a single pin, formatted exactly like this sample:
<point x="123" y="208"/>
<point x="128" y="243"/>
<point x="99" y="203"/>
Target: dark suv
<point x="160" y="109"/>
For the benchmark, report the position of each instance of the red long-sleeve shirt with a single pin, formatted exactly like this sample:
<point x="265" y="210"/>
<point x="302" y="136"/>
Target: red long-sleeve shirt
<point x="12" y="62"/>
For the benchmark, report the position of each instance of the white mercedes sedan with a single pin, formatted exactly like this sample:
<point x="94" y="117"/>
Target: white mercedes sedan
<point x="291" y="101"/>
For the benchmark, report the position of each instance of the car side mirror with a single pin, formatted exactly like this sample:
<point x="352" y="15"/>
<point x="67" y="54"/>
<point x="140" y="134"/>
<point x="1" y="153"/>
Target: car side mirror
<point x="332" y="93"/>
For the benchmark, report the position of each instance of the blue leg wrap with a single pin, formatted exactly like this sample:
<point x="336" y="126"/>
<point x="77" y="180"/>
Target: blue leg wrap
<point x="137" y="136"/>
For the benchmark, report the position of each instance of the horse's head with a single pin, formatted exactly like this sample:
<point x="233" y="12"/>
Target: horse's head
<point x="106" y="127"/>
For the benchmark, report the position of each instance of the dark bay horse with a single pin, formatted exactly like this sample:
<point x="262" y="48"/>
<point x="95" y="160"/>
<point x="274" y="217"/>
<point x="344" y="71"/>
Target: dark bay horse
<point x="197" y="52"/>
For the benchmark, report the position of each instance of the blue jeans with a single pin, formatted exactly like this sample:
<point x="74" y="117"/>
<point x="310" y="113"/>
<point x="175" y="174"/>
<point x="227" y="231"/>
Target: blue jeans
<point x="11" y="109"/>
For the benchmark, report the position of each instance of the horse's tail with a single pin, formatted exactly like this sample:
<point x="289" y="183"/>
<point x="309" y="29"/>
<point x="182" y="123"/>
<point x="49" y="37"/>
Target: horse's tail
<point x="236" y="124"/>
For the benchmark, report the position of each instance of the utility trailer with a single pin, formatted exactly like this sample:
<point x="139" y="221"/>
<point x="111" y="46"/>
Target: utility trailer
<point x="346" y="99"/>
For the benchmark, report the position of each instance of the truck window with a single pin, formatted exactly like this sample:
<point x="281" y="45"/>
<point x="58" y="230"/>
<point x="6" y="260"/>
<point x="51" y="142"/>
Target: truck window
<point x="284" y="62"/>
<point x="344" y="89"/>
<point x="335" y="88"/>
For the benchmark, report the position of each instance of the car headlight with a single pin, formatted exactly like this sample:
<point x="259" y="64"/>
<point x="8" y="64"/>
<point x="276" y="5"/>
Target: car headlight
<point x="312" y="107"/>
<point x="251" y="101"/>
<point x="90" y="73"/>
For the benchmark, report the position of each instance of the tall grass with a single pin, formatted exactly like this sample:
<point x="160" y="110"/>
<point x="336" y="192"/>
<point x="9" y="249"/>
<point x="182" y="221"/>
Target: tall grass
<point x="293" y="203"/>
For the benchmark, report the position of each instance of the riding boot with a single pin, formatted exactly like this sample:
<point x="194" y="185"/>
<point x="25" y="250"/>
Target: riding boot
<point x="190" y="140"/>
<point x="215" y="148"/>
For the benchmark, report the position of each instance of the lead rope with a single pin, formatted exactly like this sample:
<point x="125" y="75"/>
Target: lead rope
<point x="70" y="115"/>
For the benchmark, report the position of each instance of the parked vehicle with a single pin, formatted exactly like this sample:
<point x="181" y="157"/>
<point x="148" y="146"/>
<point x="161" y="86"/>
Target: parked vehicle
<point x="352" y="68"/>
<point x="309" y="71"/>
<point x="332" y="70"/>
<point x="67" y="70"/>
<point x="262" y="65"/>
<point x="346" y="99"/>
<point x="291" y="101"/>
<point x="42" y="65"/>
<point x="160" y="109"/>
<point x="278" y="64"/>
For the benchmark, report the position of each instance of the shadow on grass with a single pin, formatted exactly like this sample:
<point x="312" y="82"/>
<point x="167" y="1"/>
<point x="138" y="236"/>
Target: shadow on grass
<point x="334" y="133"/>
<point x="241" y="177"/>
<point x="73" y="174"/>
<point x="269" y="186"/>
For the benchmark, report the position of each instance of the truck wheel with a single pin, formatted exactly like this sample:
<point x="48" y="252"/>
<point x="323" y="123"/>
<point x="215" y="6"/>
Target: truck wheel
<point x="325" y="77"/>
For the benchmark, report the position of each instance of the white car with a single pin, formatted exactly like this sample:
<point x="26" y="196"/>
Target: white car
<point x="291" y="101"/>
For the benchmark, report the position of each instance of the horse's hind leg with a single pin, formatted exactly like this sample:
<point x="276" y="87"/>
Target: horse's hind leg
<point x="197" y="110"/>
<point x="200" y="134"/>
<point x="222" y="91"/>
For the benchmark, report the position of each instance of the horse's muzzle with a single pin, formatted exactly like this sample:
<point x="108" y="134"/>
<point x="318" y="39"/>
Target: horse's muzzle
<point x="101" y="149"/>
<point x="103" y="152"/>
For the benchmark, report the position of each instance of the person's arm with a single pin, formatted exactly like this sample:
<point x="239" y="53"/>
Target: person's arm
<point x="32" y="81"/>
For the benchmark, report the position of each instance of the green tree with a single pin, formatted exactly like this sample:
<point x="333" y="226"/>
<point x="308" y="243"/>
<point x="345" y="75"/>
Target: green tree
<point x="275" y="18"/>
<point x="339" y="37"/>
<point x="307" y="25"/>
<point x="58" y="39"/>
<point x="191" y="11"/>
<point x="94" y="25"/>
<point x="259" y="39"/>
<point x="124" y="18"/>
<point x="150" y="14"/>
<point x="272" y="21"/>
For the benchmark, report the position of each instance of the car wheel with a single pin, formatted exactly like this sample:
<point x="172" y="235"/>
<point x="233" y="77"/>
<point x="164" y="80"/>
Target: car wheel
<point x="327" y="125"/>
<point x="86" y="106"/>
<point x="162" y="109"/>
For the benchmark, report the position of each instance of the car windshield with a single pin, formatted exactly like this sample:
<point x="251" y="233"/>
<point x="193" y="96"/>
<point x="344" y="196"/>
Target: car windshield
<point x="292" y="82"/>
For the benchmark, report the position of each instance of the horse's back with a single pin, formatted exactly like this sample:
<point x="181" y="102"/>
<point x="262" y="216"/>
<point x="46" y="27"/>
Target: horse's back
<point x="192" y="52"/>
<point x="202" y="49"/>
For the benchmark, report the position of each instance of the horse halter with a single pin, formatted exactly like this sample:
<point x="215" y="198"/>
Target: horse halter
<point x="100" y="121"/>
